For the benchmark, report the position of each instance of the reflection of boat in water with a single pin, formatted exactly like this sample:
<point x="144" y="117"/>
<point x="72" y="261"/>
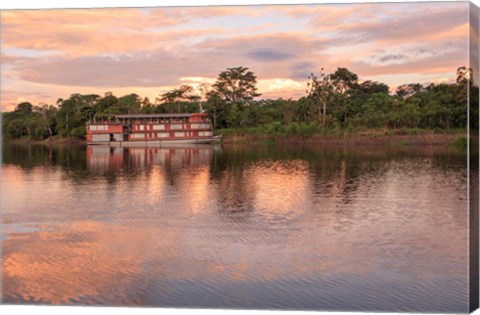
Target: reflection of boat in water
<point x="108" y="158"/>
<point x="151" y="130"/>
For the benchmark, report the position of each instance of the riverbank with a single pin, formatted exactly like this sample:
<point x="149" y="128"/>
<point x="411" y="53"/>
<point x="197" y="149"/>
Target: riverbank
<point x="379" y="137"/>
<point x="48" y="141"/>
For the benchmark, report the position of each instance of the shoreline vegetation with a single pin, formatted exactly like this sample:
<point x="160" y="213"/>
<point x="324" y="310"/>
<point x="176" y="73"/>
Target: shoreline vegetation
<point x="366" y="137"/>
<point x="337" y="108"/>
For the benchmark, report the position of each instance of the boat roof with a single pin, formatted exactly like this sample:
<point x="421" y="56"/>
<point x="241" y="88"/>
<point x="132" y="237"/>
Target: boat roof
<point x="175" y="115"/>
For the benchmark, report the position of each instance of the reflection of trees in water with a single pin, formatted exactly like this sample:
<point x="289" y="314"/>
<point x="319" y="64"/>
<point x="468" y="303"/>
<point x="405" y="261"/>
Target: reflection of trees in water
<point x="233" y="181"/>
<point x="135" y="162"/>
<point x="82" y="164"/>
<point x="235" y="194"/>
<point x="28" y="157"/>
<point x="334" y="171"/>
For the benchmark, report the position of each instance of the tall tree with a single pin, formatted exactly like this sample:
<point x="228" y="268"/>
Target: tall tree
<point x="343" y="81"/>
<point x="408" y="90"/>
<point x="103" y="104"/>
<point x="24" y="108"/>
<point x="236" y="85"/>
<point x="129" y="104"/>
<point x="74" y="112"/>
<point x="49" y="117"/>
<point x="319" y="91"/>
<point x="178" y="96"/>
<point x="147" y="106"/>
<point x="215" y="107"/>
<point x="464" y="74"/>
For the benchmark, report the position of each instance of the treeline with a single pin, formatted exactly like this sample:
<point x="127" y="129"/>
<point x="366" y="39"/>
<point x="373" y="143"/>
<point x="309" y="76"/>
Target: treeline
<point x="337" y="101"/>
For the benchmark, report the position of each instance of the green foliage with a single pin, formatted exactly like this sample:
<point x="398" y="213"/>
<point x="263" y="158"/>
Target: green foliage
<point x="128" y="104"/>
<point x="74" y="112"/>
<point x="379" y="110"/>
<point x="343" y="80"/>
<point x="14" y="127"/>
<point x="320" y="93"/>
<point x="236" y="85"/>
<point x="78" y="132"/>
<point x="104" y="103"/>
<point x="181" y="99"/>
<point x="34" y="122"/>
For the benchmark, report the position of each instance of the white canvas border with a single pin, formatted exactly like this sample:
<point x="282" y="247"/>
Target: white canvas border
<point x="76" y="310"/>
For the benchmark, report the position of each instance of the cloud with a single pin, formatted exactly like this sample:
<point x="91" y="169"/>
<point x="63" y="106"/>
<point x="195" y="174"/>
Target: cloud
<point x="106" y="71"/>
<point x="11" y="98"/>
<point x="165" y="67"/>
<point x="422" y="21"/>
<point x="436" y="64"/>
<point x="269" y="55"/>
<point x="302" y="70"/>
<point x="95" y="31"/>
<point x="417" y="58"/>
<point x="330" y="16"/>
<point x="282" y="86"/>
<point x="392" y="57"/>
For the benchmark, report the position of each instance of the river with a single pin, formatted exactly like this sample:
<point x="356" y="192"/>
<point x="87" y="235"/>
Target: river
<point x="262" y="227"/>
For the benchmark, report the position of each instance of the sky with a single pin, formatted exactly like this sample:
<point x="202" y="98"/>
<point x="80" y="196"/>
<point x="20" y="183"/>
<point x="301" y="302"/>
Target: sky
<point x="51" y="54"/>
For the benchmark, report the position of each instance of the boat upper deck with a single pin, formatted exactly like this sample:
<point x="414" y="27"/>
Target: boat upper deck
<point x="150" y="119"/>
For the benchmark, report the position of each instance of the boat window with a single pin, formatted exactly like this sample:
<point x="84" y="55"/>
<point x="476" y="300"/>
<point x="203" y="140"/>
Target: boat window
<point x="138" y="135"/>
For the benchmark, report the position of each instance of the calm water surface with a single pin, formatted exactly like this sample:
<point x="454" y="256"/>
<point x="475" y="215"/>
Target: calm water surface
<point x="365" y="228"/>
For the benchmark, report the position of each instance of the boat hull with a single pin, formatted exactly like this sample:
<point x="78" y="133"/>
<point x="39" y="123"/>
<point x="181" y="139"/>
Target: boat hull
<point x="163" y="142"/>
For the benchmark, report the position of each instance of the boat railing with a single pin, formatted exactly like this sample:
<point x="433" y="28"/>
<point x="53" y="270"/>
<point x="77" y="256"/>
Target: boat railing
<point x="103" y="122"/>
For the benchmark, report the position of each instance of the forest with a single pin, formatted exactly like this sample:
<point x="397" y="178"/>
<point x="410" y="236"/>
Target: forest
<point x="334" y="104"/>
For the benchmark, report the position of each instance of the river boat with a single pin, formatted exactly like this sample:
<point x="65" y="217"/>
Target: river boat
<point x="151" y="130"/>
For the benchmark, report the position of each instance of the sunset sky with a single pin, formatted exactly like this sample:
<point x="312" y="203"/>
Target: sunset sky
<point x="50" y="54"/>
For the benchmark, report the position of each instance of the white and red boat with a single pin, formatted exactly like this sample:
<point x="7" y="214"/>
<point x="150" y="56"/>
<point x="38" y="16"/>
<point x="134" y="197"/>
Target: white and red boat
<point x="151" y="129"/>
